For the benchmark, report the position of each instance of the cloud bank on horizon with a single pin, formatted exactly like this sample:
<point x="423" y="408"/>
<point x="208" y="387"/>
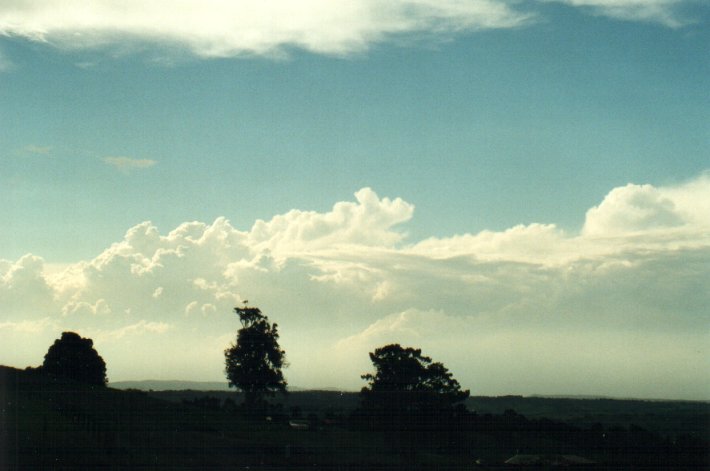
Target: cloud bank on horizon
<point x="620" y="308"/>
<point x="213" y="28"/>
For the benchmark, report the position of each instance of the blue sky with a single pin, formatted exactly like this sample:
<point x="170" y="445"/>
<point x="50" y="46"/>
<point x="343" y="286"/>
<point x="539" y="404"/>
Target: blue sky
<point x="465" y="119"/>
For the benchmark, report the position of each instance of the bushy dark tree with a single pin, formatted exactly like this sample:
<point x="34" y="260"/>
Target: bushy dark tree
<point x="75" y="358"/>
<point x="407" y="385"/>
<point x="254" y="362"/>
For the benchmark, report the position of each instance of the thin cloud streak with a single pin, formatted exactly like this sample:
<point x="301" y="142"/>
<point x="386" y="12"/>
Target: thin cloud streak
<point x="35" y="149"/>
<point x="664" y="12"/>
<point x="127" y="164"/>
<point x="6" y="65"/>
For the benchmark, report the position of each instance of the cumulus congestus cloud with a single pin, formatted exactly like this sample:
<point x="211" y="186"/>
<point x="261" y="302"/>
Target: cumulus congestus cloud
<point x="579" y="311"/>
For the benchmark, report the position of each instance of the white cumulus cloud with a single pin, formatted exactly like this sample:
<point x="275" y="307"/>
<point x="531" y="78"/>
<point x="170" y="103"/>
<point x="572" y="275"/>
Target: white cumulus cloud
<point x="626" y="293"/>
<point x="366" y="222"/>
<point x="644" y="208"/>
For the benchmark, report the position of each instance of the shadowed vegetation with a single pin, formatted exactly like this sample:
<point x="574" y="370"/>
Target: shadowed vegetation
<point x="254" y="362"/>
<point x="74" y="357"/>
<point x="411" y="415"/>
<point x="62" y="424"/>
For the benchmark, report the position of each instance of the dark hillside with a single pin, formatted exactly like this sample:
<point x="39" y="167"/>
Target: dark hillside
<point x="307" y="402"/>
<point x="670" y="418"/>
<point x="163" y="385"/>
<point x="666" y="417"/>
<point x="60" y="425"/>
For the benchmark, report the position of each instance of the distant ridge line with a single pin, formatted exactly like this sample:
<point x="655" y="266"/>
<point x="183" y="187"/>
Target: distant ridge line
<point x="183" y="385"/>
<point x="170" y="385"/>
<point x="585" y="397"/>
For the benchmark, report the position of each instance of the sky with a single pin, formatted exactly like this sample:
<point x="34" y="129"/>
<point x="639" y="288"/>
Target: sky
<point x="520" y="188"/>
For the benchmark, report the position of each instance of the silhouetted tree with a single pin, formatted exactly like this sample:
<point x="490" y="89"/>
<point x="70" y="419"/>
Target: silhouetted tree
<point x="253" y="364"/>
<point x="408" y="386"/>
<point x="75" y="358"/>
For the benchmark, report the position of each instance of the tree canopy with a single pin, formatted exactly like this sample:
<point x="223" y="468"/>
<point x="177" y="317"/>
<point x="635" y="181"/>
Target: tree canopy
<point x="407" y="383"/>
<point x="75" y="358"/>
<point x="254" y="362"/>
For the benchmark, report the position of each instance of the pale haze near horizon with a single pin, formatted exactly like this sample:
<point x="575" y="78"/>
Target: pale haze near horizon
<point x="520" y="189"/>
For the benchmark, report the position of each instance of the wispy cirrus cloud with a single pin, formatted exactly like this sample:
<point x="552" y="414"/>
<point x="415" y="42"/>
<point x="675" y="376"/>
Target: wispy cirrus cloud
<point x="214" y="28"/>
<point x="6" y="64"/>
<point x="37" y="150"/>
<point x="128" y="164"/>
<point x="139" y="328"/>
<point x="665" y="12"/>
<point x="28" y="326"/>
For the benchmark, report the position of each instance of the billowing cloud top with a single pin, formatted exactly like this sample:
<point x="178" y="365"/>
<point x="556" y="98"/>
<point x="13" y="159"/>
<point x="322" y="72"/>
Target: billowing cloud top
<point x="216" y="28"/>
<point x="620" y="308"/>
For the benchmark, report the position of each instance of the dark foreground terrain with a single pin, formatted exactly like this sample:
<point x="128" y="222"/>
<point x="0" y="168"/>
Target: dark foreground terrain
<point x="48" y="424"/>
